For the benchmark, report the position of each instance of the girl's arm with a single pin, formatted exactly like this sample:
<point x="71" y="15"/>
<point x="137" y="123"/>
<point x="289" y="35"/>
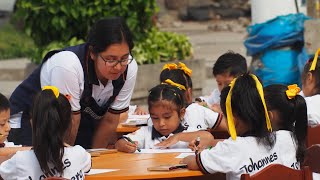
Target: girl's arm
<point x="191" y="162"/>
<point x="205" y="136"/>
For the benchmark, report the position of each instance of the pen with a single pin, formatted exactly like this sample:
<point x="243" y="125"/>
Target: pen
<point x="197" y="144"/>
<point x="130" y="140"/>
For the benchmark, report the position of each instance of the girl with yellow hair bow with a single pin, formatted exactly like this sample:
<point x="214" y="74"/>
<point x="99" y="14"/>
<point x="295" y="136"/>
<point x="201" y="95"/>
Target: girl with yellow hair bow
<point x="311" y="88"/>
<point x="252" y="145"/>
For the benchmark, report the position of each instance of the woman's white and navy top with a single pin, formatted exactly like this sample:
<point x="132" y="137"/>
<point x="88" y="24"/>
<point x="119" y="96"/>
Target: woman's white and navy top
<point x="25" y="165"/>
<point x="148" y="136"/>
<point x="247" y="155"/>
<point x="200" y="117"/>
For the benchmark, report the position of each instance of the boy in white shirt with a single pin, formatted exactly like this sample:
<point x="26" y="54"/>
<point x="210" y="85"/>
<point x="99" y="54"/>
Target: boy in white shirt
<point x="227" y="67"/>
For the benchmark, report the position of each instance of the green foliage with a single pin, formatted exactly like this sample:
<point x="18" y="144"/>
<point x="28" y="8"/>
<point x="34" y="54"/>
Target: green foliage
<point x="162" y="46"/>
<point x="14" y="44"/>
<point x="54" y="24"/>
<point x="56" y="20"/>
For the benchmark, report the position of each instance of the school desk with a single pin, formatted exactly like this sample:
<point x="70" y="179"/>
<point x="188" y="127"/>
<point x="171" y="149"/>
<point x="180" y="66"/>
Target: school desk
<point x="134" y="166"/>
<point x="125" y="130"/>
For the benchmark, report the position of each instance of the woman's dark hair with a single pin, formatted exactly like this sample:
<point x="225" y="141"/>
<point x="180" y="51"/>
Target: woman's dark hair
<point x="315" y="73"/>
<point x="105" y="32"/>
<point x="233" y="63"/>
<point x="168" y="93"/>
<point x="292" y="114"/>
<point x="51" y="118"/>
<point x="247" y="105"/>
<point x="4" y="103"/>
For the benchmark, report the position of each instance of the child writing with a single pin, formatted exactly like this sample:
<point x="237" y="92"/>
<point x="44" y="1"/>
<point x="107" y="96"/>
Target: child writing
<point x="196" y="116"/>
<point x="166" y="107"/>
<point x="251" y="146"/>
<point x="6" y="148"/>
<point x="50" y="156"/>
<point x="227" y="67"/>
<point x="311" y="89"/>
<point x="288" y="112"/>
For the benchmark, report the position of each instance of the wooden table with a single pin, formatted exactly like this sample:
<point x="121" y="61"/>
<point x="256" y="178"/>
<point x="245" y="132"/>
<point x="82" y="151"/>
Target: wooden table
<point x="134" y="166"/>
<point x="125" y="129"/>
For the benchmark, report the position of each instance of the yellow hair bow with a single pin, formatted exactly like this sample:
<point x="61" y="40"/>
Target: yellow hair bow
<point x="292" y="91"/>
<point x="54" y="89"/>
<point x="315" y="59"/>
<point x="169" y="66"/>
<point x="181" y="87"/>
<point x="231" y="126"/>
<point x="185" y="69"/>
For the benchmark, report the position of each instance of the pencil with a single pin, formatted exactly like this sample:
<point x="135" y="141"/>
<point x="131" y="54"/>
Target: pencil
<point x="130" y="140"/>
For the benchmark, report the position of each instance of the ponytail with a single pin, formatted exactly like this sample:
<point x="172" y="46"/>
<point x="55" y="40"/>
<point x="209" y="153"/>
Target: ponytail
<point x="299" y="116"/>
<point x="51" y="116"/>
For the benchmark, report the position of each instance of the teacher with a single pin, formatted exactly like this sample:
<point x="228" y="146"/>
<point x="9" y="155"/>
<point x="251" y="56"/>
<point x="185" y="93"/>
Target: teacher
<point x="98" y="77"/>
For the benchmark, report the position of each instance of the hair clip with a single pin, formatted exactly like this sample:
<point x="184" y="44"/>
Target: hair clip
<point x="314" y="62"/>
<point x="292" y="91"/>
<point x="170" y="82"/>
<point x="185" y="69"/>
<point x="170" y="66"/>
<point x="54" y="89"/>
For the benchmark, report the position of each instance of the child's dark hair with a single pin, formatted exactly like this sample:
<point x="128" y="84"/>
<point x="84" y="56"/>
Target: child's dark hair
<point x="247" y="105"/>
<point x="4" y="103"/>
<point x="168" y="93"/>
<point x="315" y="73"/>
<point x="292" y="114"/>
<point x="105" y="32"/>
<point x="230" y="62"/>
<point x="177" y="76"/>
<point x="51" y="117"/>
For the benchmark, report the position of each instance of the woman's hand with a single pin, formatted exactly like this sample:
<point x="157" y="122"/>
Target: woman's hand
<point x="140" y="111"/>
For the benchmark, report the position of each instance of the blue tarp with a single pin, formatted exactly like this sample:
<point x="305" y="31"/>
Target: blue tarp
<point x="269" y="40"/>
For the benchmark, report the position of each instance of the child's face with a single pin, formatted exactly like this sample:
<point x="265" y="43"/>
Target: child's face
<point x="165" y="117"/>
<point x="4" y="123"/>
<point x="223" y="80"/>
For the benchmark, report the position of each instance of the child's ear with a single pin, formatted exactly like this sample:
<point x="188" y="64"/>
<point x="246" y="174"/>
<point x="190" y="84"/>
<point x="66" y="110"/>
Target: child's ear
<point x="309" y="78"/>
<point x="182" y="112"/>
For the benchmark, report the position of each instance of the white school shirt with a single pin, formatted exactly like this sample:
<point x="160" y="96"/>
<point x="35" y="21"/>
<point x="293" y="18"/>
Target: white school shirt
<point x="313" y="111"/>
<point x="200" y="117"/>
<point x="246" y="155"/>
<point x="24" y="165"/>
<point x="144" y="138"/>
<point x="213" y="98"/>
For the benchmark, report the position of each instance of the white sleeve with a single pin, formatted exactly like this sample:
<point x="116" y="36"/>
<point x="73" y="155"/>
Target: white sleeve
<point x="312" y="111"/>
<point x="139" y="136"/>
<point x="218" y="159"/>
<point x="211" y="118"/>
<point x="124" y="97"/>
<point x="8" y="169"/>
<point x="67" y="77"/>
<point x="86" y="160"/>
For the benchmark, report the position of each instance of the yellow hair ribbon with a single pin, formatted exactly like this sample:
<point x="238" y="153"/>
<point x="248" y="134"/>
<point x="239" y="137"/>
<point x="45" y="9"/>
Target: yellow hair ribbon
<point x="231" y="126"/>
<point x="181" y="87"/>
<point x="185" y="69"/>
<point x="315" y="59"/>
<point x="260" y="90"/>
<point x="170" y="66"/>
<point x="53" y="89"/>
<point x="292" y="91"/>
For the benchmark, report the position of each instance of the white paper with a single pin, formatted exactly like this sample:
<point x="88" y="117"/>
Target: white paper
<point x="183" y="155"/>
<point x="99" y="171"/>
<point x="137" y="119"/>
<point x="97" y="149"/>
<point x="157" y="151"/>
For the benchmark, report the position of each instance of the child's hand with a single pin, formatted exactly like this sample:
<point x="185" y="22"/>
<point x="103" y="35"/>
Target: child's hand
<point x="204" y="143"/>
<point x="172" y="140"/>
<point x="140" y="111"/>
<point x="216" y="108"/>
<point x="125" y="146"/>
